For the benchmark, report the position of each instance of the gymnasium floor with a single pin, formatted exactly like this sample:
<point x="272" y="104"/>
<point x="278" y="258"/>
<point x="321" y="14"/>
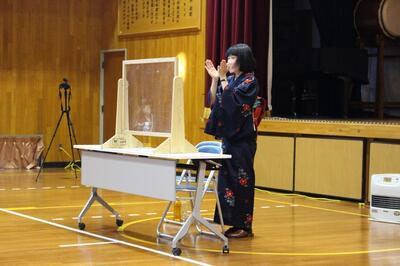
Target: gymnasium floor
<point x="38" y="226"/>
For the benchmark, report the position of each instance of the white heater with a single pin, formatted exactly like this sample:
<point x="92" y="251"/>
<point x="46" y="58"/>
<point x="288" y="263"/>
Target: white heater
<point x="385" y="198"/>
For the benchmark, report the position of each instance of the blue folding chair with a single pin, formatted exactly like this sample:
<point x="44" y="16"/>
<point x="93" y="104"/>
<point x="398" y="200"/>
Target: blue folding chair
<point x="185" y="183"/>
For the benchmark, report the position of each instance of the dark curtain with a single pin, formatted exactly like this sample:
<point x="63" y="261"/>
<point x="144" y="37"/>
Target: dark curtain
<point x="238" y="21"/>
<point x="335" y="22"/>
<point x="339" y="57"/>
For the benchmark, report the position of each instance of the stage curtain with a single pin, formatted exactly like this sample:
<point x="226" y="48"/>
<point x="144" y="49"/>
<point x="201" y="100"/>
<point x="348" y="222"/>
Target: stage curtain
<point x="238" y="21"/>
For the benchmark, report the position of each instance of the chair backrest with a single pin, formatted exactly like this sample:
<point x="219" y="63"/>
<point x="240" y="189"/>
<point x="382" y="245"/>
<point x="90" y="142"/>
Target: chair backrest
<point x="204" y="146"/>
<point x="210" y="149"/>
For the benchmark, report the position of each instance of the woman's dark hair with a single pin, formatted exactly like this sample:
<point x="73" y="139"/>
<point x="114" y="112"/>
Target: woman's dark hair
<point x="245" y="57"/>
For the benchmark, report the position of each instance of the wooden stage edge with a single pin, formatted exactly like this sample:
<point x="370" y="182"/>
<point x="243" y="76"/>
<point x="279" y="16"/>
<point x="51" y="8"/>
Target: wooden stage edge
<point x="342" y="128"/>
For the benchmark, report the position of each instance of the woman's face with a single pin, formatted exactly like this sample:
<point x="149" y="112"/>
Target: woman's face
<point x="231" y="64"/>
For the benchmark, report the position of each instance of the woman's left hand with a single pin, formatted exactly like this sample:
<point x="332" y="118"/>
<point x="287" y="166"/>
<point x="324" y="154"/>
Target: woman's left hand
<point x="223" y="69"/>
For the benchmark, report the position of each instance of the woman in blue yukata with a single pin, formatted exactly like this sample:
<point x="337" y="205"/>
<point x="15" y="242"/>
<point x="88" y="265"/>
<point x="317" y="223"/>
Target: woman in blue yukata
<point x="231" y="120"/>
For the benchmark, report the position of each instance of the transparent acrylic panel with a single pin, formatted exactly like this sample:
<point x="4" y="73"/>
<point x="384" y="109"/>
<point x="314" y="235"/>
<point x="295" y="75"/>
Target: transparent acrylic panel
<point x="150" y="86"/>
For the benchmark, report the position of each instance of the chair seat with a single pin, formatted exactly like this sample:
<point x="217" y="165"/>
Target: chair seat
<point x="191" y="179"/>
<point x="190" y="188"/>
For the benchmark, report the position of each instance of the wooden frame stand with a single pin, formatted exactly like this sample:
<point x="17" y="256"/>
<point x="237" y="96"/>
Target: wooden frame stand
<point x="177" y="143"/>
<point x="122" y="138"/>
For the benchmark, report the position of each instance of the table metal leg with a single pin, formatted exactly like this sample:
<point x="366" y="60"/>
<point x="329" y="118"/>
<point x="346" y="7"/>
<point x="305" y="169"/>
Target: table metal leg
<point x="95" y="197"/>
<point x="196" y="215"/>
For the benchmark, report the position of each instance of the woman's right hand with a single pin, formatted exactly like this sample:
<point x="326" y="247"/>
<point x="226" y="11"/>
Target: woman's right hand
<point x="212" y="71"/>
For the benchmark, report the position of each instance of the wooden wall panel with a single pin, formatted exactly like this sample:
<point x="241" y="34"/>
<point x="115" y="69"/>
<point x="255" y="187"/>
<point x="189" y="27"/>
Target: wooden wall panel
<point x="273" y="163"/>
<point x="191" y="46"/>
<point x="384" y="158"/>
<point x="329" y="167"/>
<point x="41" y="42"/>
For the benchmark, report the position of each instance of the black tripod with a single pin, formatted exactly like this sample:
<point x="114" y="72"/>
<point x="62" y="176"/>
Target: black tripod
<point x="65" y="109"/>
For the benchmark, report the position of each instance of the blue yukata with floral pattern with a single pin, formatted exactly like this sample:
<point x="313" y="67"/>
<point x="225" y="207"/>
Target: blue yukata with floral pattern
<point x="231" y="120"/>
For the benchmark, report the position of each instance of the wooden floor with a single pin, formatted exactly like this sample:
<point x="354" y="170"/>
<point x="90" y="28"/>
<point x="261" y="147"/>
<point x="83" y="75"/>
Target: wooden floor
<point x="38" y="227"/>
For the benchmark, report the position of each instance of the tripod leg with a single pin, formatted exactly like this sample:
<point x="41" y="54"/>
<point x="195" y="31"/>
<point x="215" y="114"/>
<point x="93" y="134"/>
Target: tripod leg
<point x="70" y="141"/>
<point x="73" y="134"/>
<point x="52" y="138"/>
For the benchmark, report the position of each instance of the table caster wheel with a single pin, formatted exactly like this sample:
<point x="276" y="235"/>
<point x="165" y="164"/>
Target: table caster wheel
<point x="119" y="222"/>
<point x="225" y="250"/>
<point x="176" y="251"/>
<point x="81" y="226"/>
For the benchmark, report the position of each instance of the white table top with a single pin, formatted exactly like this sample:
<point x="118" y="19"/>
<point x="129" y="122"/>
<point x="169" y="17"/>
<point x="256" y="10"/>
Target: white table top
<point x="149" y="152"/>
